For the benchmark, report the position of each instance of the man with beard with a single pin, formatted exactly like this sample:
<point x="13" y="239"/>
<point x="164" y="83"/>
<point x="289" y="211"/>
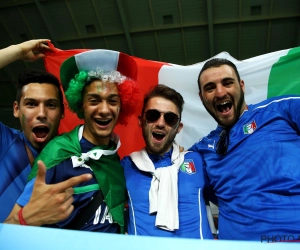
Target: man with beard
<point x="251" y="158"/>
<point x="101" y="88"/>
<point x="165" y="187"/>
<point x="39" y="107"/>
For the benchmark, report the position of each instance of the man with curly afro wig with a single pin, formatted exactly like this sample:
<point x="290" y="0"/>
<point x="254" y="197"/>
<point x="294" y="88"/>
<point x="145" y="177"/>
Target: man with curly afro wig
<point x="101" y="88"/>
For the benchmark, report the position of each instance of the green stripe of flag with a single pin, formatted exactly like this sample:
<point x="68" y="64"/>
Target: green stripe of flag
<point x="86" y="189"/>
<point x="285" y="75"/>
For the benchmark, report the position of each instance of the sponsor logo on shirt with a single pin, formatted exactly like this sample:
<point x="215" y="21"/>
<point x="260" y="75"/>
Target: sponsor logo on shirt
<point x="249" y="128"/>
<point x="188" y="167"/>
<point x="211" y="145"/>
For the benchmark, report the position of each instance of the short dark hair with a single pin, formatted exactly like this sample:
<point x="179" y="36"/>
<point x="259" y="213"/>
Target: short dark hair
<point x="166" y="92"/>
<point x="37" y="76"/>
<point x="215" y="63"/>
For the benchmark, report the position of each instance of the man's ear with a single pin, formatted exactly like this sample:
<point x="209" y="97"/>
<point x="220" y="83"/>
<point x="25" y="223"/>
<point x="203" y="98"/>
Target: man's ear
<point x="201" y="98"/>
<point x="180" y="126"/>
<point x="140" y="120"/>
<point x="81" y="109"/>
<point x="16" y="109"/>
<point x="62" y="111"/>
<point x="242" y="84"/>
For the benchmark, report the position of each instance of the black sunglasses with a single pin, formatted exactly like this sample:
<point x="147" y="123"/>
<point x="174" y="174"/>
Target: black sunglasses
<point x="152" y="115"/>
<point x="222" y="144"/>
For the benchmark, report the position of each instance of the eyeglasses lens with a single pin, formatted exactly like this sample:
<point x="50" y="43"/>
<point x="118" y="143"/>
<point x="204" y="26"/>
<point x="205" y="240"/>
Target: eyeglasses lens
<point x="152" y="115"/>
<point x="171" y="118"/>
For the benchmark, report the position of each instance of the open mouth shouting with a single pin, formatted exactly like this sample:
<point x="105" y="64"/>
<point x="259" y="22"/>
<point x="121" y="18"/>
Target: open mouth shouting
<point x="103" y="123"/>
<point x="224" y="107"/>
<point x="41" y="132"/>
<point x="158" y="136"/>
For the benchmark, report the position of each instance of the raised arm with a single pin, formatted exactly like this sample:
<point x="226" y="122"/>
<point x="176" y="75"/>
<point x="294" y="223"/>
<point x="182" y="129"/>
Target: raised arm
<point x="28" y="51"/>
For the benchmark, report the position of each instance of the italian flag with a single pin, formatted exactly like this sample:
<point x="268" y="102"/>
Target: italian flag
<point x="265" y="76"/>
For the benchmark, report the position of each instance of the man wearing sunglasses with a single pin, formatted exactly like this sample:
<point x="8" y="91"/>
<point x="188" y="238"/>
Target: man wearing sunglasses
<point x="165" y="187"/>
<point x="251" y="158"/>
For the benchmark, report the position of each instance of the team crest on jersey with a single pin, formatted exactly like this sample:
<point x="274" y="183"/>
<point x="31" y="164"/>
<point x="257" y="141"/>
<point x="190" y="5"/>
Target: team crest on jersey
<point x="188" y="167"/>
<point x="249" y="128"/>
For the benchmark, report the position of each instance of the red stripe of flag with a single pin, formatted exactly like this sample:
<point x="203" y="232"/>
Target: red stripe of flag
<point x="131" y="136"/>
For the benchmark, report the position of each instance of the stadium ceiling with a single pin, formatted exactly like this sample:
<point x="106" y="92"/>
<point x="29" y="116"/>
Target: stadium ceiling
<point x="176" y="31"/>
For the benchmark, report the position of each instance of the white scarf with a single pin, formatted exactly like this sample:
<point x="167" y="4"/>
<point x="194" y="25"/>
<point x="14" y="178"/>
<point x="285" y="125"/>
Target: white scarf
<point x="163" y="193"/>
<point x="94" y="154"/>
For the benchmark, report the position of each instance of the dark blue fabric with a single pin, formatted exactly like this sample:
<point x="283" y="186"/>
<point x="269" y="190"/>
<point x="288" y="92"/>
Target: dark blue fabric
<point x="101" y="221"/>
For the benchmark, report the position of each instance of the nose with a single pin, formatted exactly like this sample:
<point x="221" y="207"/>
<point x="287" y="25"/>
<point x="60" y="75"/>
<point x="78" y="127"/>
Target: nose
<point x="161" y="121"/>
<point x="41" y="112"/>
<point x="220" y="90"/>
<point x="103" y="108"/>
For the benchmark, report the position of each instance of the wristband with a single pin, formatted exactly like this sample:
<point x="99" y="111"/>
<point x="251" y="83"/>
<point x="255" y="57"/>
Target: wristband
<point x="21" y="219"/>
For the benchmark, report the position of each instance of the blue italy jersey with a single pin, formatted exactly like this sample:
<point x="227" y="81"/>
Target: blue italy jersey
<point x="257" y="181"/>
<point x="14" y="167"/>
<point x="193" y="221"/>
<point x="101" y="220"/>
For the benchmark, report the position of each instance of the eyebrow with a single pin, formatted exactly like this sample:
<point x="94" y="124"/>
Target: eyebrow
<point x="207" y="84"/>
<point x="97" y="96"/>
<point x="223" y="80"/>
<point x="227" y="78"/>
<point x="34" y="99"/>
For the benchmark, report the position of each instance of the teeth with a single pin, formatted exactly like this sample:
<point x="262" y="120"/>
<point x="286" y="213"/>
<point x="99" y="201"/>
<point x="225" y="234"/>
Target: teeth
<point x="102" y="120"/>
<point x="223" y="103"/>
<point x="158" y="133"/>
